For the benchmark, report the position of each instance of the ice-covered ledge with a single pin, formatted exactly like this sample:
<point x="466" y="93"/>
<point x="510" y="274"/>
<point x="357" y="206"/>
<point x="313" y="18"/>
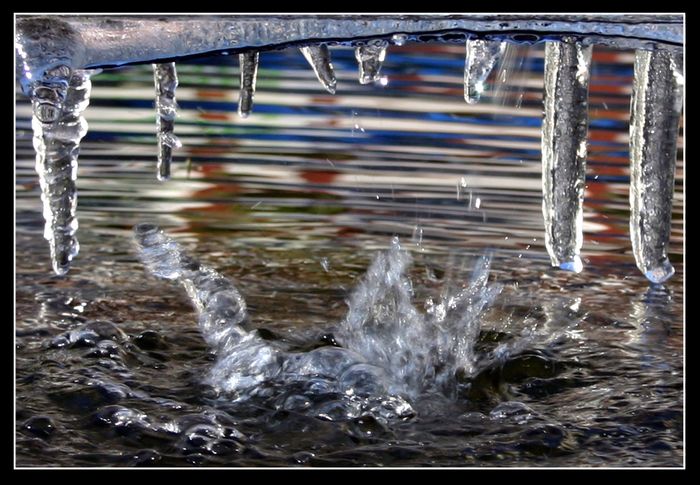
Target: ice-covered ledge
<point x="106" y="40"/>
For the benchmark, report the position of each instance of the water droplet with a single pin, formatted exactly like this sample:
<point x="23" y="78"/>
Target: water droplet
<point x="461" y="185"/>
<point x="417" y="237"/>
<point x="519" y="102"/>
<point x="399" y="39"/>
<point x="41" y="426"/>
<point x="575" y="265"/>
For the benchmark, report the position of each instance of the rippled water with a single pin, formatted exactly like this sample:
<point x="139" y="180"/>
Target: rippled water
<point x="292" y="204"/>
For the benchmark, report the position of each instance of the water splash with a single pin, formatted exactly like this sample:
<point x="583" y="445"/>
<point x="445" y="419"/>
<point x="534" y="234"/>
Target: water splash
<point x="422" y="352"/>
<point x="248" y="366"/>
<point x="384" y="355"/>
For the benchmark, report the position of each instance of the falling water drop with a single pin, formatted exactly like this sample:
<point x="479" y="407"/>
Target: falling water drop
<point x="655" y="115"/>
<point x="519" y="102"/>
<point x="481" y="57"/>
<point x="165" y="78"/>
<point x="417" y="237"/>
<point x="319" y="58"/>
<point x="564" y="133"/>
<point x="248" y="62"/>
<point x="461" y="186"/>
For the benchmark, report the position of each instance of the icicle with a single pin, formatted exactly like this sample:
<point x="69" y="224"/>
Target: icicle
<point x="564" y="132"/>
<point x="248" y="62"/>
<point x="370" y="58"/>
<point x="165" y="78"/>
<point x="481" y="57"/>
<point x="655" y="115"/>
<point x="320" y="60"/>
<point x="58" y="127"/>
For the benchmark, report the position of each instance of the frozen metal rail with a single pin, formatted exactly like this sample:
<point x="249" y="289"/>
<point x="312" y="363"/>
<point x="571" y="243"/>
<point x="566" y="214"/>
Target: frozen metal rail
<point x="53" y="51"/>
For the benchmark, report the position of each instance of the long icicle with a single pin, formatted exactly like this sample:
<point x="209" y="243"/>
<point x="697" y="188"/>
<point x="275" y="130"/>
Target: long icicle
<point x="58" y="127"/>
<point x="564" y="150"/>
<point x="657" y="99"/>
<point x="370" y="58"/>
<point x="248" y="63"/>
<point x="165" y="78"/>
<point x="319" y="58"/>
<point x="481" y="57"/>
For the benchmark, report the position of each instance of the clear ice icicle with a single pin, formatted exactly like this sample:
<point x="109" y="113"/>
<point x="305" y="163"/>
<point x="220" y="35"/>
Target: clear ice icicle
<point x="248" y="62"/>
<point x="165" y="78"/>
<point x="370" y="58"/>
<point x="657" y="99"/>
<point x="481" y="57"/>
<point x="319" y="58"/>
<point x="58" y="127"/>
<point x="564" y="133"/>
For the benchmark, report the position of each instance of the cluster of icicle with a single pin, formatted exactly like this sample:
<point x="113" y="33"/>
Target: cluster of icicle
<point x="655" y="115"/>
<point x="389" y="355"/>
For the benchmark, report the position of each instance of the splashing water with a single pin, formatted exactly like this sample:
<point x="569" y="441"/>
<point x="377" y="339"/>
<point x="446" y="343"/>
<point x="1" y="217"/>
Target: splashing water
<point x="384" y="354"/>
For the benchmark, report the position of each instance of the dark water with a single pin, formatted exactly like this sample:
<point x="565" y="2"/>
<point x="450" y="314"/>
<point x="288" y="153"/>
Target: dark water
<point x="292" y="204"/>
